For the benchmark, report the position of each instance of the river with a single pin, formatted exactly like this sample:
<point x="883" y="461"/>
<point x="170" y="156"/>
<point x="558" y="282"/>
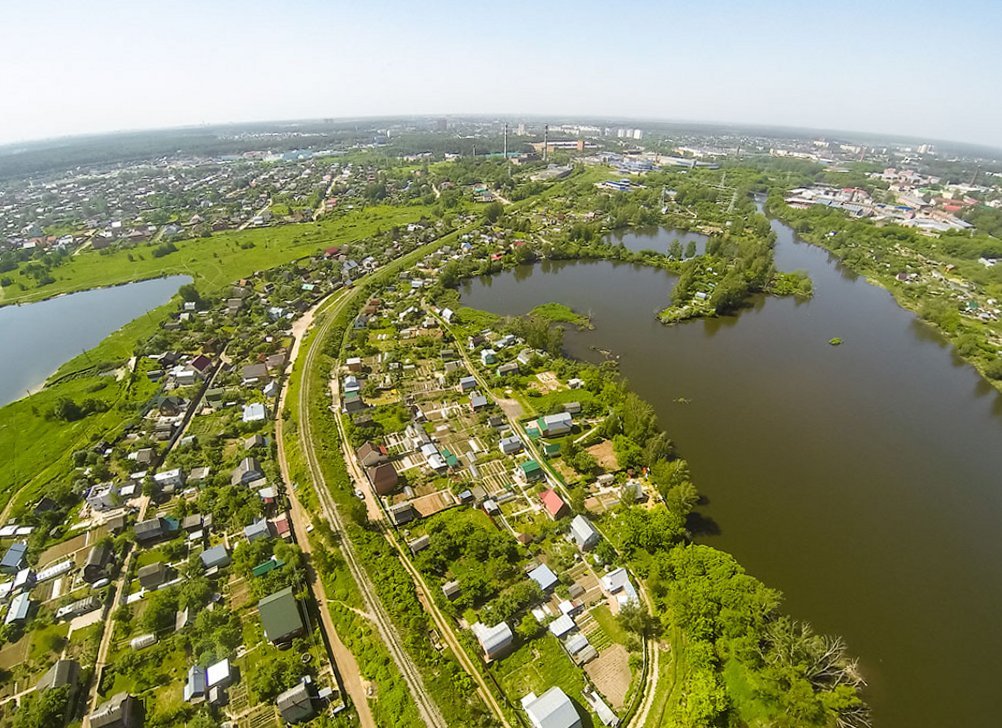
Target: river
<point x="39" y="337"/>
<point x="862" y="480"/>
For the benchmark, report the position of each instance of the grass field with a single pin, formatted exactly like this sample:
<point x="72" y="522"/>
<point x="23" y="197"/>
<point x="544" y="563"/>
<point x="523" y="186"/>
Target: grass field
<point x="536" y="667"/>
<point x="216" y="261"/>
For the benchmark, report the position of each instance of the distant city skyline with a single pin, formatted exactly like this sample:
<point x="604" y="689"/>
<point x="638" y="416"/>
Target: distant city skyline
<point x="913" y="69"/>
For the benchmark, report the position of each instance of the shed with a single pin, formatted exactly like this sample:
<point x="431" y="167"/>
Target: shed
<point x="194" y="684"/>
<point x="296" y="703"/>
<point x="451" y="589"/>
<point x="562" y="625"/>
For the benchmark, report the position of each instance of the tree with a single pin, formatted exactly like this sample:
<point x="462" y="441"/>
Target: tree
<point x="493" y="212"/>
<point x="675" y="249"/>
<point x="528" y="627"/>
<point x="682" y="498"/>
<point x="634" y="617"/>
<point x="190" y="294"/>
<point x="690" y="249"/>
<point x="42" y="709"/>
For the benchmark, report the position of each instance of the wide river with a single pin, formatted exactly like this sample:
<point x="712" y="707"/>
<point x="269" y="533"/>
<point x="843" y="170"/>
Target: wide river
<point x="38" y="337"/>
<point x="864" y="481"/>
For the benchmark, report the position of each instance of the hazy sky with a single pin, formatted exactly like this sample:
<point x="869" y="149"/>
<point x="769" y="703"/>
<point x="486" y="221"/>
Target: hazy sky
<point x="915" y="68"/>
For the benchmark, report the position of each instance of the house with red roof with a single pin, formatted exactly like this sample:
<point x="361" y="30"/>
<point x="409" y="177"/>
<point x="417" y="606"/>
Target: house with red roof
<point x="554" y="504"/>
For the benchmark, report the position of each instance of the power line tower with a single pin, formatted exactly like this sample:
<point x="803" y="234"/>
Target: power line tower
<point x="546" y="143"/>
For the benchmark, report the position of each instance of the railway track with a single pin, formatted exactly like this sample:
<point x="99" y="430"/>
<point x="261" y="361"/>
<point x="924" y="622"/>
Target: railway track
<point x="430" y="713"/>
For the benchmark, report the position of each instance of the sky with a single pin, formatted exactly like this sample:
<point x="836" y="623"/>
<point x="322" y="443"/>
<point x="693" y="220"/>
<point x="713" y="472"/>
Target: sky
<point x="921" y="69"/>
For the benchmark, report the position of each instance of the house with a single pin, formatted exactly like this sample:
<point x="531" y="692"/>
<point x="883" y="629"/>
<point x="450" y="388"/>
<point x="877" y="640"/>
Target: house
<point x="150" y="530"/>
<point x="447" y="314"/>
<point x="383" y="478"/>
<point x="246" y="472"/>
<point x="416" y="436"/>
<point x="510" y="445"/>
<point x="97" y="561"/>
<point x="201" y="364"/>
<point x="24" y="580"/>
<point x="255" y="412"/>
<point x="495" y="640"/>
<point x="530" y="471"/>
<point x="296" y="703"/>
<point x="525" y="357"/>
<point x="552" y="709"/>
<point x="478" y="402"/>
<point x="467" y="383"/>
<point x="215" y="396"/>
<point x="173" y="406"/>
<point x="167" y="479"/>
<point x="215" y="557"/>
<point x="488" y="357"/>
<point x="451" y="589"/>
<point x="419" y="544"/>
<point x="579" y="649"/>
<point x="572" y="408"/>
<point x="254" y="374"/>
<point x="121" y="711"/>
<point x="192" y="523"/>
<point x="280" y="616"/>
<point x="14" y="558"/>
<point x="64" y="672"/>
<point x="583" y="533"/>
<point x="219" y="674"/>
<point x="369" y="454"/>
<point x="510" y="367"/>
<point x="562" y="625"/>
<point x="103" y="497"/>
<point x="194" y="684"/>
<point x="257" y="530"/>
<point x="402" y="513"/>
<point x="81" y="606"/>
<point x="554" y="504"/>
<point x="544" y="576"/>
<point x="18" y="610"/>
<point x="555" y="425"/>
<point x="152" y="575"/>
<point x="617" y="582"/>
<point x="354" y="363"/>
<point x="352" y="402"/>
<point x="144" y="456"/>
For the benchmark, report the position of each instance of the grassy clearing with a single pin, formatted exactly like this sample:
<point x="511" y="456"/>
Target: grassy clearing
<point x="216" y="261"/>
<point x="559" y="313"/>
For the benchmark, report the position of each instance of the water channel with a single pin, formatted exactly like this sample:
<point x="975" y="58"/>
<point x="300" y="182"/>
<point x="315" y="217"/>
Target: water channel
<point x="36" y="338"/>
<point x="862" y="480"/>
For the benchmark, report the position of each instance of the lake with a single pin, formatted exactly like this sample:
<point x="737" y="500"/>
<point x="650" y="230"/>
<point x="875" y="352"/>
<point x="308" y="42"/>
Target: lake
<point x="39" y="337"/>
<point x="862" y="480"/>
<point x="656" y="238"/>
